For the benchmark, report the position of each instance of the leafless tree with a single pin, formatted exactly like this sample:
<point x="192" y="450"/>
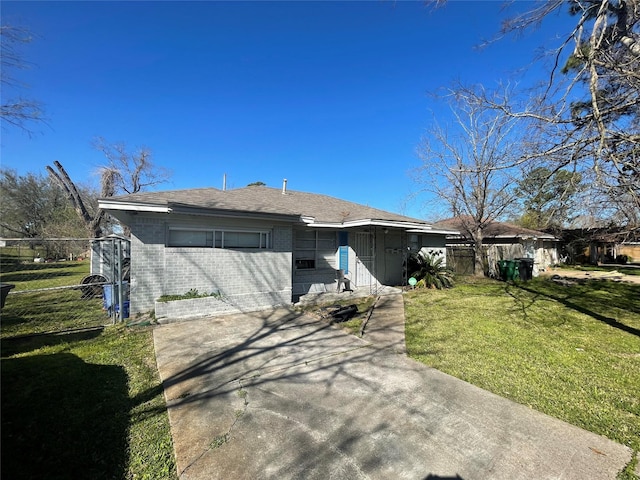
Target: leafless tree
<point x="91" y="217"/>
<point x="588" y="112"/>
<point x="17" y="111"/>
<point x="470" y="165"/>
<point x="124" y="173"/>
<point x="129" y="172"/>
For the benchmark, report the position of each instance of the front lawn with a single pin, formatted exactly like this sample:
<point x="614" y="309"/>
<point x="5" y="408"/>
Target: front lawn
<point x="87" y="404"/>
<point x="572" y="352"/>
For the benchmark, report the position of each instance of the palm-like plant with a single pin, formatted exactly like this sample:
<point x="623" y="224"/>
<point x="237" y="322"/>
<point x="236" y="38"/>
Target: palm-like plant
<point x="429" y="271"/>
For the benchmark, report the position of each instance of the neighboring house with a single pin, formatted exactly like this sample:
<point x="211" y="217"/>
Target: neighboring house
<point x="259" y="246"/>
<point x="602" y="245"/>
<point x="502" y="241"/>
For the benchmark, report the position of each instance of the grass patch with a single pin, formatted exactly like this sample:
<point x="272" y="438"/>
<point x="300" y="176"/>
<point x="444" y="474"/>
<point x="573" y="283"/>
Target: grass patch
<point x="79" y="400"/>
<point x="27" y="311"/>
<point x="55" y="310"/>
<point x="84" y="405"/>
<point x="627" y="270"/>
<point x="26" y="274"/>
<point x="572" y="352"/>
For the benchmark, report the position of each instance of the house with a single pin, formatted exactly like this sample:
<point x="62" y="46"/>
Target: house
<point x="501" y="241"/>
<point x="259" y="246"/>
<point x="602" y="244"/>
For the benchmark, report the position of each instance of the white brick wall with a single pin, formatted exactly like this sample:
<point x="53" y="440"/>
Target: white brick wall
<point x="248" y="279"/>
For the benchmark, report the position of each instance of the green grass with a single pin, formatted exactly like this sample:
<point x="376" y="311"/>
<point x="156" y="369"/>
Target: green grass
<point x="570" y="352"/>
<point x="627" y="270"/>
<point x="84" y="405"/>
<point x="76" y="403"/>
<point x="50" y="311"/>
<point x="17" y="267"/>
<point x="51" y="308"/>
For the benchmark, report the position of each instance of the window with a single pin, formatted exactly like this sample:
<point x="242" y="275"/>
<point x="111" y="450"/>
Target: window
<point x="314" y="249"/>
<point x="219" y="238"/>
<point x="414" y="242"/>
<point x="190" y="238"/>
<point x="231" y="239"/>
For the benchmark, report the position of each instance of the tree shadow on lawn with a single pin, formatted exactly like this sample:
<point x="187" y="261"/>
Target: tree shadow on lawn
<point x="577" y="299"/>
<point x="26" y="343"/>
<point x="63" y="418"/>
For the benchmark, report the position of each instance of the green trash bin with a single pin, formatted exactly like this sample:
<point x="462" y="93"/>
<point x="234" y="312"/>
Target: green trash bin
<point x="502" y="269"/>
<point x="512" y="270"/>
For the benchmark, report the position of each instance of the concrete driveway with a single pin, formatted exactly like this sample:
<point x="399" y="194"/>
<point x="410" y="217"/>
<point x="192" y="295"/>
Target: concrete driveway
<point x="281" y="395"/>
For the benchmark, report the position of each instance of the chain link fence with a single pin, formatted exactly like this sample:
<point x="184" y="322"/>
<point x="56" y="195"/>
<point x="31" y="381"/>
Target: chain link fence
<point x="63" y="284"/>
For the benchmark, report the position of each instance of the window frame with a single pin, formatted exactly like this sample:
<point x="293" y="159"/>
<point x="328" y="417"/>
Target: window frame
<point x="265" y="238"/>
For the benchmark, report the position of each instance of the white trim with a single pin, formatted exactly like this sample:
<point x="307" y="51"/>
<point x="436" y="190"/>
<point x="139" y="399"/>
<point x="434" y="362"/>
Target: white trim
<point x="370" y="222"/>
<point x="142" y="207"/>
<point x="436" y="231"/>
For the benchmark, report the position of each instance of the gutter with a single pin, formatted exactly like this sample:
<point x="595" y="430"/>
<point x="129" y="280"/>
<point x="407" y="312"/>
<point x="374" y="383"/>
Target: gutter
<point x="133" y="207"/>
<point x="413" y="227"/>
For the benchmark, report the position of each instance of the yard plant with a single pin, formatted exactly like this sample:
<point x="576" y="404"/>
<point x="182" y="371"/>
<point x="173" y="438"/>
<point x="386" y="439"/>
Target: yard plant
<point x="570" y="351"/>
<point x="429" y="270"/>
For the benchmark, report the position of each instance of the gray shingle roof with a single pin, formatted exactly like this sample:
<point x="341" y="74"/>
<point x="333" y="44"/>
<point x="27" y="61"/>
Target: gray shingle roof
<point x="262" y="199"/>
<point x="493" y="229"/>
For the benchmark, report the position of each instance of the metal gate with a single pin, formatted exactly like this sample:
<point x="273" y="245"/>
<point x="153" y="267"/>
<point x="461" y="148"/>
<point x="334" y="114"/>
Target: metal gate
<point x="365" y="259"/>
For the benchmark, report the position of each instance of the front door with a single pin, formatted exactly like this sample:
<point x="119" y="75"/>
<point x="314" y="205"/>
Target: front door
<point x="363" y="248"/>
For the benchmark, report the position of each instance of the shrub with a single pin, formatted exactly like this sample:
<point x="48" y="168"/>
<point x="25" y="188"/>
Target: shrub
<point x="192" y="293"/>
<point x="429" y="271"/>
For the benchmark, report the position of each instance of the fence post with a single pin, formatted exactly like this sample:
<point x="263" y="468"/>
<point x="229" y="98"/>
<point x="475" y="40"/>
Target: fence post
<point x="112" y="280"/>
<point x="119" y="272"/>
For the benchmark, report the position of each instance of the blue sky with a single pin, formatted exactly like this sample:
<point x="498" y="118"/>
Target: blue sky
<point x="332" y="96"/>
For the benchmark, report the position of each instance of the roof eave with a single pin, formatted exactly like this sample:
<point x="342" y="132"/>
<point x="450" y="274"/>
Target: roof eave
<point x="412" y="227"/>
<point x="105" y="204"/>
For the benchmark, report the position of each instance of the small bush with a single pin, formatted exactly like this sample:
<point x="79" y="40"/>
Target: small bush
<point x="192" y="293"/>
<point x="429" y="271"/>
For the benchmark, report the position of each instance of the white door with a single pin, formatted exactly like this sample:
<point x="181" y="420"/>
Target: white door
<point x="363" y="248"/>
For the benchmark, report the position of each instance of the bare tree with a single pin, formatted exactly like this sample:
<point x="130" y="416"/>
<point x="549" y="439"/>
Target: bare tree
<point x="16" y="111"/>
<point x="124" y="173"/>
<point x="92" y="218"/>
<point x="588" y="113"/>
<point x="470" y="165"/>
<point x="129" y="172"/>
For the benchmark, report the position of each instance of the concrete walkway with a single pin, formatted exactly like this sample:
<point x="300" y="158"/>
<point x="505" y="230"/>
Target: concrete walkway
<point x="385" y="328"/>
<point x="281" y="395"/>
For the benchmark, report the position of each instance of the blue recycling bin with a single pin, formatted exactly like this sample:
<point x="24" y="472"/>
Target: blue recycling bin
<point x="110" y="300"/>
